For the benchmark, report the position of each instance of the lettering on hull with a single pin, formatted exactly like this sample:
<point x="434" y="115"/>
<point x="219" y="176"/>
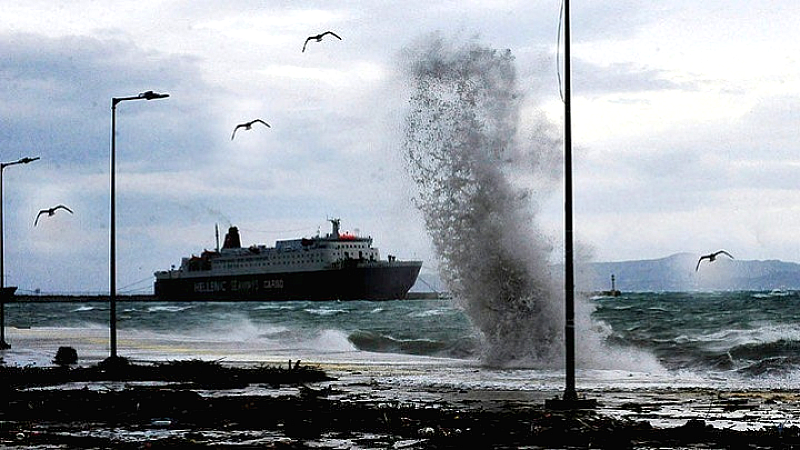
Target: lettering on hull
<point x="273" y="284"/>
<point x="210" y="286"/>
<point x="236" y="285"/>
<point x="381" y="283"/>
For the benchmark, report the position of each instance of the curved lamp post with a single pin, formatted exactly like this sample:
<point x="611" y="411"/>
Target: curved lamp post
<point x="5" y="293"/>
<point x="148" y="95"/>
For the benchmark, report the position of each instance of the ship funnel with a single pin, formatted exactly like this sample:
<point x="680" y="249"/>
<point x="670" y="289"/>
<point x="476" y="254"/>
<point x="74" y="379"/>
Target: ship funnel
<point x="335" y="225"/>
<point x="232" y="239"/>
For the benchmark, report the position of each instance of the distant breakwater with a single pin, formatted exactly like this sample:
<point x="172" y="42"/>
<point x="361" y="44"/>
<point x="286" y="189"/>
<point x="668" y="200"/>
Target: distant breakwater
<point x="42" y="298"/>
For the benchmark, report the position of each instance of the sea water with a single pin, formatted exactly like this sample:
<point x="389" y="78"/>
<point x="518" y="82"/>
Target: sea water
<point x="715" y="339"/>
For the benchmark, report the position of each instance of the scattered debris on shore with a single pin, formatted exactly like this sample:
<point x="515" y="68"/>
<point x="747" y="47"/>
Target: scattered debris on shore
<point x="176" y="411"/>
<point x="193" y="373"/>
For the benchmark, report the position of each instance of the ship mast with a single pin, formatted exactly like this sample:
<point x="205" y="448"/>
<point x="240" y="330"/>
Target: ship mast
<point x="216" y="233"/>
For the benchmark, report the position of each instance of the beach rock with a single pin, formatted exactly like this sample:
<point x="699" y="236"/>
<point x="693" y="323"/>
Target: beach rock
<point x="66" y="356"/>
<point x="696" y="425"/>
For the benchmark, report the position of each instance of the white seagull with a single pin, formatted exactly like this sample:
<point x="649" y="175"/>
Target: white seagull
<point x="319" y="37"/>
<point x="50" y="212"/>
<point x="712" y="257"/>
<point x="248" y="125"/>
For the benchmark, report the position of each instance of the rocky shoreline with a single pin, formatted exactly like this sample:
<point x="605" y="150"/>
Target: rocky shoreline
<point x="197" y="404"/>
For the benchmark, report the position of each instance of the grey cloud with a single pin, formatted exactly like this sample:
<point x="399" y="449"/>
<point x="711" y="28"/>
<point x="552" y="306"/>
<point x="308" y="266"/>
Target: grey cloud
<point x="592" y="79"/>
<point x="691" y="167"/>
<point x="57" y="100"/>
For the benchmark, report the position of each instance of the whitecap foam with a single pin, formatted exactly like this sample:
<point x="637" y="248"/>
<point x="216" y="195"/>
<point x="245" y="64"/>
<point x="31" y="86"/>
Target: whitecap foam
<point x="325" y="311"/>
<point x="332" y="340"/>
<point x="429" y="313"/>
<point x="168" y="308"/>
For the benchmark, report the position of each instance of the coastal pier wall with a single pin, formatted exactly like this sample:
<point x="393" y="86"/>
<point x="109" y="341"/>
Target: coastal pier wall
<point x="147" y="297"/>
<point x="78" y="298"/>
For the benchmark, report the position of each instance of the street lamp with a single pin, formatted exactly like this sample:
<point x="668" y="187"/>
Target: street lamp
<point x="570" y="394"/>
<point x="570" y="398"/>
<point x="148" y="95"/>
<point x="5" y="292"/>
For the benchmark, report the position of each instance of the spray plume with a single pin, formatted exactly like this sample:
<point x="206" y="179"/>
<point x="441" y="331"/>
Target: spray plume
<point x="464" y="151"/>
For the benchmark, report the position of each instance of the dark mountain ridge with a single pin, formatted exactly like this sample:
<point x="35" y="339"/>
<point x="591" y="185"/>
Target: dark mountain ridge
<point x="674" y="273"/>
<point x="678" y="273"/>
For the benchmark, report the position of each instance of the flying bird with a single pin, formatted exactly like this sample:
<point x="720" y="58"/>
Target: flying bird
<point x="712" y="257"/>
<point x="248" y="125"/>
<point x="50" y="212"/>
<point x="319" y="37"/>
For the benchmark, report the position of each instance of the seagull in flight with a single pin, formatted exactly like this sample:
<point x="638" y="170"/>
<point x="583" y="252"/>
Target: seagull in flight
<point x="712" y="257"/>
<point x="319" y="37"/>
<point x="50" y="212"/>
<point x="248" y="125"/>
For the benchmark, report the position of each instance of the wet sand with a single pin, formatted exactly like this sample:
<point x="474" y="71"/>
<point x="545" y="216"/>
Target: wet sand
<point x="209" y="405"/>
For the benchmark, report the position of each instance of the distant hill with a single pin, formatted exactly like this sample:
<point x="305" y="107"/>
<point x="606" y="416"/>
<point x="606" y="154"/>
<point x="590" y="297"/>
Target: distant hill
<point x="677" y="273"/>
<point x="428" y="281"/>
<point x="673" y="273"/>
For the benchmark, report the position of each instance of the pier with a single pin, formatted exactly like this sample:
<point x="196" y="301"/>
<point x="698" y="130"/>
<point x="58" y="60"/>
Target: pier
<point x="44" y="298"/>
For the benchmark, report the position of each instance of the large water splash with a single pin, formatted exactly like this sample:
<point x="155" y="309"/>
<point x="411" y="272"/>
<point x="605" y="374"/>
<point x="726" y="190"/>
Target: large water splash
<point x="473" y="168"/>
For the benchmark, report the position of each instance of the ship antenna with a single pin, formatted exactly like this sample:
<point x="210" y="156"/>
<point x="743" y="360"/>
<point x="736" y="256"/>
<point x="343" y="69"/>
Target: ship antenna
<point x="216" y="233"/>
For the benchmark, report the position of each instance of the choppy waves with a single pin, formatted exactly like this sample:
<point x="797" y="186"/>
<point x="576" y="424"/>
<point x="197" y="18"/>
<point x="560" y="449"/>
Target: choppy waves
<point x="376" y="342"/>
<point x="730" y="335"/>
<point x="749" y="334"/>
<point x="430" y="328"/>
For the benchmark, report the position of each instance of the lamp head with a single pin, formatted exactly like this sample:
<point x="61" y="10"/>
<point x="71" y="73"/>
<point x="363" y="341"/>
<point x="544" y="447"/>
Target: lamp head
<point x="150" y="95"/>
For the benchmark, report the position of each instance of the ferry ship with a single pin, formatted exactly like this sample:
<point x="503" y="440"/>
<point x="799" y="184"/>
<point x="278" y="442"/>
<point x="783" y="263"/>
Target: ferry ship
<point x="337" y="266"/>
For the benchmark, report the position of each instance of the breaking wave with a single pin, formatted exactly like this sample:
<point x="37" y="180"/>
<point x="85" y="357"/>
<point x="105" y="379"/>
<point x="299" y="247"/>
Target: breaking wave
<point x="472" y="165"/>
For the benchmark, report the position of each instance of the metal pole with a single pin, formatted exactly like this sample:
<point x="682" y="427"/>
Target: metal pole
<point x="569" y="282"/>
<point x="3" y="292"/>
<point x="570" y="399"/>
<point x="3" y="344"/>
<point x="113" y="244"/>
<point x="148" y="95"/>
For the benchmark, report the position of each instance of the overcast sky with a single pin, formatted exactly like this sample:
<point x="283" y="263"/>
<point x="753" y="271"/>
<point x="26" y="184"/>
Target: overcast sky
<point x="685" y="125"/>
